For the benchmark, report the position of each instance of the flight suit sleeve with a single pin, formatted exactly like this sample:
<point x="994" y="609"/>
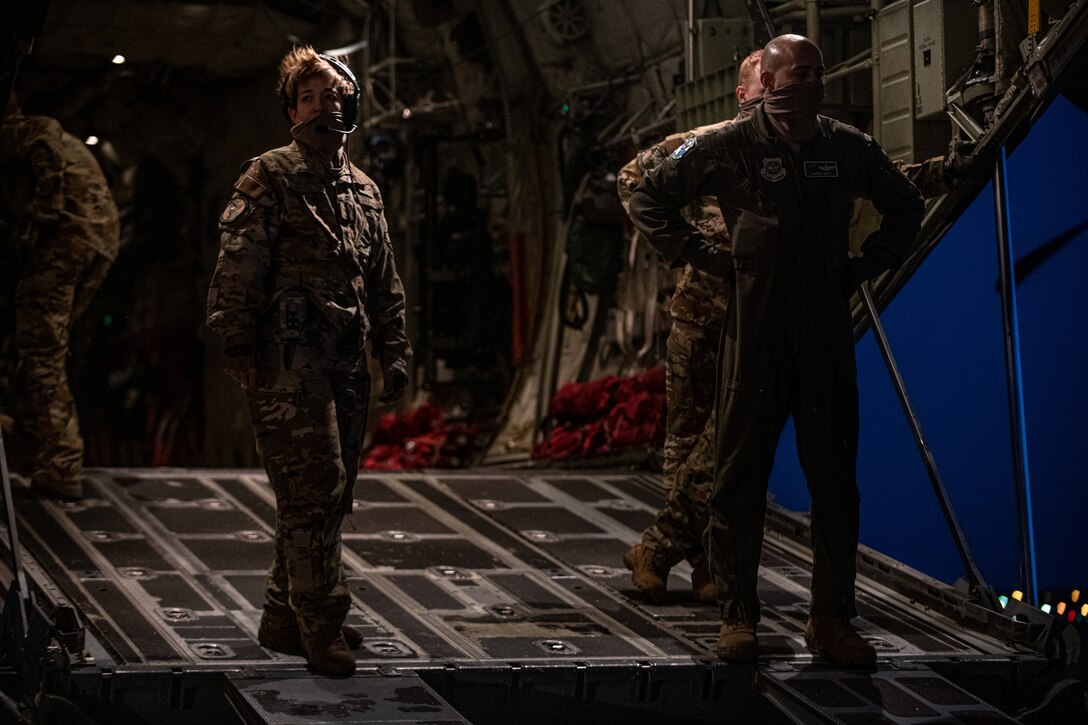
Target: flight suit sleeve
<point x="248" y="227"/>
<point x="657" y="201"/>
<point x="386" y="308"/>
<point x="901" y="207"/>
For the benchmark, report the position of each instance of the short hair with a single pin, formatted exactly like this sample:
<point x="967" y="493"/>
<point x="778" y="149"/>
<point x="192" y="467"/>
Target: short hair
<point x="748" y="66"/>
<point x="301" y="64"/>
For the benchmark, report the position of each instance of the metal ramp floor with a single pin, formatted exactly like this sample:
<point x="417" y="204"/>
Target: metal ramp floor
<point x="488" y="595"/>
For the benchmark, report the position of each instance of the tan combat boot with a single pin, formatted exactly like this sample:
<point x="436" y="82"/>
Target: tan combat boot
<point x="649" y="571"/>
<point x="837" y="640"/>
<point x="702" y="583"/>
<point x="737" y="641"/>
<point x="326" y="651"/>
<point x="51" y="484"/>
<point x="279" y="632"/>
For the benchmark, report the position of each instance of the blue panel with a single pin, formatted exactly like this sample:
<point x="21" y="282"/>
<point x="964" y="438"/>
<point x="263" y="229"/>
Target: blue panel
<point x="945" y="330"/>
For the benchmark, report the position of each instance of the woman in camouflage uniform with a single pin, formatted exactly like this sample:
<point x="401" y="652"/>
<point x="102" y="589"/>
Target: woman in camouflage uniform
<point x="304" y="281"/>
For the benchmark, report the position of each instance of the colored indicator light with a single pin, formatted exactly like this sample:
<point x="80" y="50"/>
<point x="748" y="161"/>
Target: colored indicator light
<point x="1072" y="615"/>
<point x="1061" y="608"/>
<point x="1075" y="595"/>
<point x="1018" y="595"/>
<point x="1084" y="610"/>
<point x="1003" y="600"/>
<point x="1046" y="608"/>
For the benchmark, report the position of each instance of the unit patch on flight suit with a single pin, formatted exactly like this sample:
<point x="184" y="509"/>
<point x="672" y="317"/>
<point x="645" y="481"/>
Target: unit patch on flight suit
<point x="773" y="170"/>
<point x="822" y="169"/>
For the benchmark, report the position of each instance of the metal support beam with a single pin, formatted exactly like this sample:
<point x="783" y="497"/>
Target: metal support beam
<point x="762" y="25"/>
<point x="812" y="20"/>
<point x="1014" y="381"/>
<point x="16" y="597"/>
<point x="982" y="592"/>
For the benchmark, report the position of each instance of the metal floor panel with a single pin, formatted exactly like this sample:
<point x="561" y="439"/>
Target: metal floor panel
<point x="484" y="567"/>
<point x="371" y="698"/>
<point x="899" y="696"/>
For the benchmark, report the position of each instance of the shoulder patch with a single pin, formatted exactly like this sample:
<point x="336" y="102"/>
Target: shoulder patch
<point x="234" y="210"/>
<point x="688" y="145"/>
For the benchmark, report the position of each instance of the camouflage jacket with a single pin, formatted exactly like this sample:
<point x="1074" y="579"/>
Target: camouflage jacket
<point x="292" y="224"/>
<point x="699" y="297"/>
<point x="51" y="181"/>
<point x="928" y="176"/>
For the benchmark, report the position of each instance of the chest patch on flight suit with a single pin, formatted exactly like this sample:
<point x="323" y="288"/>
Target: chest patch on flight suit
<point x="822" y="169"/>
<point x="684" y="148"/>
<point x="773" y="170"/>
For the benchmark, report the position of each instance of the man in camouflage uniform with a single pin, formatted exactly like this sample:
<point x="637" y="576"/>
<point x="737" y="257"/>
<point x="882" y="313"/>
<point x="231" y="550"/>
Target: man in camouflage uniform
<point x="60" y="236"/>
<point x="698" y="307"/>
<point x="304" y="281"/>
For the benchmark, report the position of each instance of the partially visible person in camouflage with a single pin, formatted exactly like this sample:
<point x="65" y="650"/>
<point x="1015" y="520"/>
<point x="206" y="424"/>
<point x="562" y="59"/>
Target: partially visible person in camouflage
<point x="933" y="177"/>
<point x="691" y="368"/>
<point x="60" y="235"/>
<point x="304" y="282"/>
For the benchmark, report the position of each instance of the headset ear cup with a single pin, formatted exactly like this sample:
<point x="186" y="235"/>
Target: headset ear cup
<point x="351" y="107"/>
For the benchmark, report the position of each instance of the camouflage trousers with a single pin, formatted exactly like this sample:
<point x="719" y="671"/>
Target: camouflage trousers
<point x="309" y="440"/>
<point x="54" y="289"/>
<point x="691" y="370"/>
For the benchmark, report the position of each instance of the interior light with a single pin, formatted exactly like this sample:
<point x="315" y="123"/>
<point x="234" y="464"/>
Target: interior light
<point x="1061" y="608"/>
<point x="1018" y="595"/>
<point x="91" y="140"/>
<point x="1084" y="610"/>
<point x="1046" y="608"/>
<point x="1003" y="600"/>
<point x="1075" y="595"/>
<point x="118" y="59"/>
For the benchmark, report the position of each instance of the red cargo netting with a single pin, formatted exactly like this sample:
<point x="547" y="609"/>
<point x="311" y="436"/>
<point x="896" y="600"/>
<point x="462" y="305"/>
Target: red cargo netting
<point x="606" y="415"/>
<point x="420" y="438"/>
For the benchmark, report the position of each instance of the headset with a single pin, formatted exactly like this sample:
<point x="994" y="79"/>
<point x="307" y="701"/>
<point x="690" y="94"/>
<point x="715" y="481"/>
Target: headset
<point x="349" y="102"/>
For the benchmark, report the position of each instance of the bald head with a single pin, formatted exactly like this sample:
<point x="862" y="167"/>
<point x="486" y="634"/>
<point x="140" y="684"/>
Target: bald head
<point x="790" y="59"/>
